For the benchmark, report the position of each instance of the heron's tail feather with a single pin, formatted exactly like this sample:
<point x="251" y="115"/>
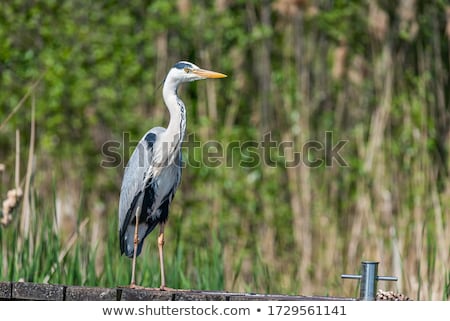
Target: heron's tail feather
<point x="127" y="239"/>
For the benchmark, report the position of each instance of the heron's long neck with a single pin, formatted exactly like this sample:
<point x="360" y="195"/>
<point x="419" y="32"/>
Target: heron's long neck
<point x="174" y="133"/>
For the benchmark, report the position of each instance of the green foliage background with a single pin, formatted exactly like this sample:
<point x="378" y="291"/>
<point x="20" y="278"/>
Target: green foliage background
<point x="374" y="73"/>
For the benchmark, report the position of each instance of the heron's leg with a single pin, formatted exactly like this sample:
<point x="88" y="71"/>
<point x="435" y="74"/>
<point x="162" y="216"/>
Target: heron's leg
<point x="136" y="242"/>
<point x="161" y="255"/>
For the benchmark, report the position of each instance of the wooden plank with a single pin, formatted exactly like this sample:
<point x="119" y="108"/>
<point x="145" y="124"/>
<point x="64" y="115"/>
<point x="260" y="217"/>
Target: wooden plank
<point x="329" y="298"/>
<point x="263" y="297"/>
<point x="127" y="294"/>
<point x="84" y="293"/>
<point x="37" y="292"/>
<point x="5" y="290"/>
<point x="200" y="296"/>
<point x="279" y="297"/>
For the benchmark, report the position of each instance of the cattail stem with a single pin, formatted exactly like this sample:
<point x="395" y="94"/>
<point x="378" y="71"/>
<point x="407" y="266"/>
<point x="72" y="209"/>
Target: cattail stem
<point x="17" y="171"/>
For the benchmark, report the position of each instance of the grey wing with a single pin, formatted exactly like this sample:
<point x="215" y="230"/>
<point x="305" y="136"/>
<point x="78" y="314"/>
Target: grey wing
<point x="133" y="183"/>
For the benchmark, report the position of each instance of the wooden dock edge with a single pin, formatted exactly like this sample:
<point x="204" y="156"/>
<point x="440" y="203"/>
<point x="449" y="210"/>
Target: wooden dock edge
<point x="55" y="292"/>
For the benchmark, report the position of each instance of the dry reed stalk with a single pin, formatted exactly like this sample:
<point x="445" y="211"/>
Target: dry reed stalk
<point x="17" y="171"/>
<point x="222" y="5"/>
<point x="406" y="12"/>
<point x="22" y="101"/>
<point x="290" y="8"/>
<point x="184" y="7"/>
<point x="25" y="220"/>
<point x="14" y="195"/>
<point x="397" y="263"/>
<point x="378" y="21"/>
<point x="70" y="243"/>
<point x="303" y="220"/>
<point x="380" y="117"/>
<point x="339" y="61"/>
<point x="211" y="93"/>
<point x="443" y="242"/>
<point x="266" y="233"/>
<point x="355" y="72"/>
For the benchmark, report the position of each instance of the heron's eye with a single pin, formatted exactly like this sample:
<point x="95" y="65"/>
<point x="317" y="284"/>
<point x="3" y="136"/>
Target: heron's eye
<point x="187" y="70"/>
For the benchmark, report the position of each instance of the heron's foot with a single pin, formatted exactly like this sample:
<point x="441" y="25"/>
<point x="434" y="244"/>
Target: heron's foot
<point x="165" y="288"/>
<point x="136" y="287"/>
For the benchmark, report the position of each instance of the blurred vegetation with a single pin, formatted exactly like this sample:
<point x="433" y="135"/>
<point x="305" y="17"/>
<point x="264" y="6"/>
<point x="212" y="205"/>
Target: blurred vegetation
<point x="374" y="73"/>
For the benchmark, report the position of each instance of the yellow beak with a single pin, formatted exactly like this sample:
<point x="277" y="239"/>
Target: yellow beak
<point x="208" y="73"/>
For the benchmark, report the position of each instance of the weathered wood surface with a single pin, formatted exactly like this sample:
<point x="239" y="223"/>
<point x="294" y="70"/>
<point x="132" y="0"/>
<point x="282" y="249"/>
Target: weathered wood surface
<point x="37" y="292"/>
<point x="56" y="292"/>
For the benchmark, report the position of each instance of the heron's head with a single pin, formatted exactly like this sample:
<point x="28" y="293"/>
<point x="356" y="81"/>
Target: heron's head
<point x="184" y="71"/>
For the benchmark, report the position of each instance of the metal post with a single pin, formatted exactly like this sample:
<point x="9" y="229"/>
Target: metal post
<point x="369" y="277"/>
<point x="368" y="287"/>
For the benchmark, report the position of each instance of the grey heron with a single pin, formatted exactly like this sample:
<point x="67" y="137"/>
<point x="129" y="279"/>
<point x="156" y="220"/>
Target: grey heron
<point x="153" y="172"/>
